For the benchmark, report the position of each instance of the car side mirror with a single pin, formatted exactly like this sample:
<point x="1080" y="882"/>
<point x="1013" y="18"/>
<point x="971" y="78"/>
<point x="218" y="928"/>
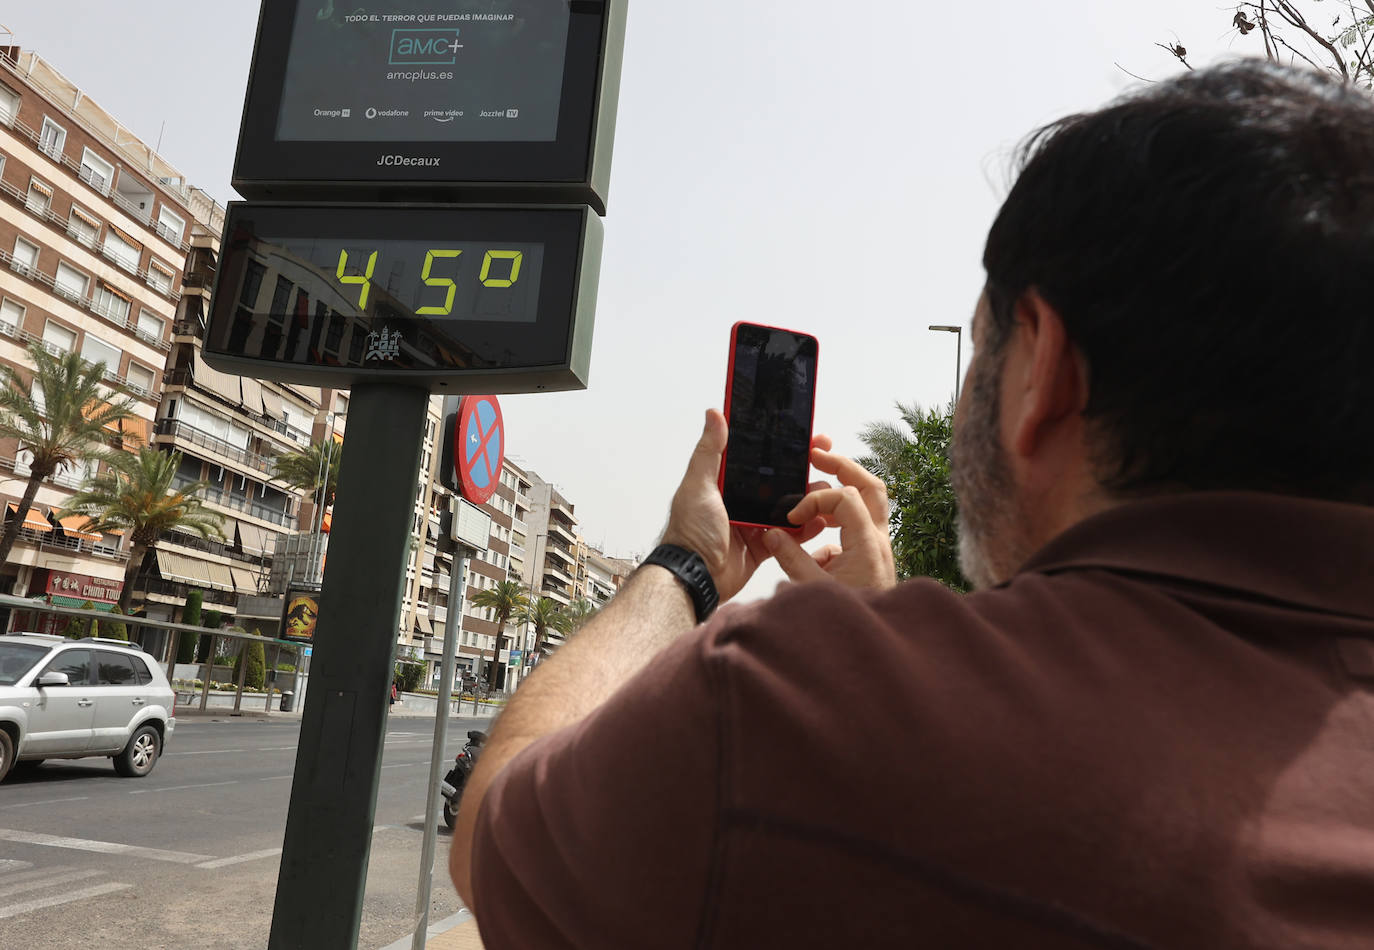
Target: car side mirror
<point x="54" y="679"/>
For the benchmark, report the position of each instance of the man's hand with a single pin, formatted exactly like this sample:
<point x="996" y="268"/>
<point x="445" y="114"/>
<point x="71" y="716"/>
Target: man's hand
<point x="863" y="558"/>
<point x="698" y="521"/>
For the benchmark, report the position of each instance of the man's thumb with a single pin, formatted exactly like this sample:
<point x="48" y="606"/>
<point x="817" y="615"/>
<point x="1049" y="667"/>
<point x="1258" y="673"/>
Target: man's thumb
<point x="792" y="557"/>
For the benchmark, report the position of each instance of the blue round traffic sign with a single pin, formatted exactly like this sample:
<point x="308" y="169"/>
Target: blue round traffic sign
<point x="479" y="447"/>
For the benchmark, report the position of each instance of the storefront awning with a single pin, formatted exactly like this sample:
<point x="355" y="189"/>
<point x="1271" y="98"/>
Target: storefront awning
<point x="175" y="567"/>
<point x="33" y="519"/>
<point x="59" y="601"/>
<point x="71" y="526"/>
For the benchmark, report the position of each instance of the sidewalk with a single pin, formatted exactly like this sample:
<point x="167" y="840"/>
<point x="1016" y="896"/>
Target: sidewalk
<point x="458" y="932"/>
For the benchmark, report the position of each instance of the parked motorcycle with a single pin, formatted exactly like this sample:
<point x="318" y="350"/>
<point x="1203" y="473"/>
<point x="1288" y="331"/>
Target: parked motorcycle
<point x="457" y="777"/>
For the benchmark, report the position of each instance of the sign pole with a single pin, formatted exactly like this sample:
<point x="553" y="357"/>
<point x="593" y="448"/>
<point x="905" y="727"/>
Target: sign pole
<point x="338" y="762"/>
<point x="452" y="623"/>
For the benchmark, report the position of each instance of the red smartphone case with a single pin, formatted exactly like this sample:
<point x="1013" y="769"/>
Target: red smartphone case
<point x="729" y="380"/>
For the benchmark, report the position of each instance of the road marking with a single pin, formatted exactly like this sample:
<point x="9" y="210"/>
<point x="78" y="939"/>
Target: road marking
<point x="8" y="866"/>
<point x="178" y="788"/>
<point x="48" y="878"/>
<point x="101" y="847"/>
<point x="278" y="748"/>
<point x="49" y="801"/>
<point x="240" y="858"/>
<point x="13" y="910"/>
<point x="274" y="778"/>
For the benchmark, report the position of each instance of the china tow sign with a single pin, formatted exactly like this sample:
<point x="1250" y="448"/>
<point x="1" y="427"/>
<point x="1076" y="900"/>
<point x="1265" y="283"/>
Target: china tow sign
<point x="479" y="447"/>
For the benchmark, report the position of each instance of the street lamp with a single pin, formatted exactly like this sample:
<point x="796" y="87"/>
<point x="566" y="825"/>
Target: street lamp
<point x="958" y="353"/>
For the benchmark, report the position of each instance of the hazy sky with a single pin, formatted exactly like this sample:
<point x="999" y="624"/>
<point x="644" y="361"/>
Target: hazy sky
<point x="831" y="167"/>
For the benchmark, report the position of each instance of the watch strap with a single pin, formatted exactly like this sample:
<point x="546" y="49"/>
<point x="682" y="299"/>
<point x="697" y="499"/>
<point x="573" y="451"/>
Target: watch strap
<point x="689" y="568"/>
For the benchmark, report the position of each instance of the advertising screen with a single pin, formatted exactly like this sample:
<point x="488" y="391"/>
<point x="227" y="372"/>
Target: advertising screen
<point x="425" y="71"/>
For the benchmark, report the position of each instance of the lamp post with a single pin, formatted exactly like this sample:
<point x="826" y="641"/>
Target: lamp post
<point x="958" y="353"/>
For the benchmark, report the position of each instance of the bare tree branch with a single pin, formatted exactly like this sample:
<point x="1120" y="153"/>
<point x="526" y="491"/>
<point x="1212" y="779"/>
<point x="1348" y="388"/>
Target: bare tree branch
<point x="1131" y="74"/>
<point x="1291" y="13"/>
<point x="1177" y="50"/>
<point x="1299" y="53"/>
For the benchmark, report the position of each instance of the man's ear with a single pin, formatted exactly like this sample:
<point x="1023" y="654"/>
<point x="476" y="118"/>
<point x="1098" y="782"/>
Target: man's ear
<point x="1049" y="387"/>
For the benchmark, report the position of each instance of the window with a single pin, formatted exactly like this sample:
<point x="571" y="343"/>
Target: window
<point x="25" y="256"/>
<point x="170" y="226"/>
<point x="96" y="172"/>
<point x="75" y="663"/>
<point x="252" y="284"/>
<point x="116" y="669"/>
<point x="140" y="379"/>
<point x="58" y="337"/>
<point x="11" y="316"/>
<point x="141" y="671"/>
<point x="9" y="105"/>
<point x="39" y="199"/>
<point x="110" y="303"/>
<point x="83" y="226"/>
<point x="96" y="350"/>
<point x="70" y="282"/>
<point x="151" y="325"/>
<point x="122" y="251"/>
<point x="159" y="279"/>
<point x="52" y="139"/>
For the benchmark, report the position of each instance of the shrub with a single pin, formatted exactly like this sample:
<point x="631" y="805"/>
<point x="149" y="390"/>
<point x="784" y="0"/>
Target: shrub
<point x="407" y="676"/>
<point x="78" y="627"/>
<point x="187" y="642"/>
<point x="114" y="628"/>
<point x="256" y="677"/>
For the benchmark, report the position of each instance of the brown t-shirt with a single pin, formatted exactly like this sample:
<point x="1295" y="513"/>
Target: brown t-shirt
<point x="1160" y="733"/>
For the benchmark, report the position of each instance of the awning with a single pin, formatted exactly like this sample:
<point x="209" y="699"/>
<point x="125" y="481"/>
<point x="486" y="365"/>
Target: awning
<point x="326" y="521"/>
<point x="127" y="237"/>
<point x="422" y="623"/>
<point x="252" y="539"/>
<point x="220" y="576"/>
<point x="271" y="404"/>
<point x="175" y="567"/>
<point x="244" y="580"/>
<point x="71" y="526"/>
<point x="212" y="380"/>
<point x="136" y="429"/>
<point x="41" y="187"/>
<point x="59" y="601"/>
<point x="85" y="216"/>
<point x="33" y="519"/>
<point x="116" y="291"/>
<point x="252" y="393"/>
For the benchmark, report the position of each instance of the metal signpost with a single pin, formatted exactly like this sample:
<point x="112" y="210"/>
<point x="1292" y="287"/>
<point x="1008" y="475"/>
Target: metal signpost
<point x="458" y="252"/>
<point x="470" y="531"/>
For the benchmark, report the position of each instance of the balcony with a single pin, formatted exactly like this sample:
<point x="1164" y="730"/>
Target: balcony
<point x="175" y="589"/>
<point x="233" y="502"/>
<point x="565" y="531"/>
<point x="49" y="541"/>
<point x="561" y="553"/>
<point x="188" y="433"/>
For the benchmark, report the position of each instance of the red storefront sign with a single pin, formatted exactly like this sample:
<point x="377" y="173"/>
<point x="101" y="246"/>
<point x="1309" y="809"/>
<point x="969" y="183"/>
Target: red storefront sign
<point x="84" y="587"/>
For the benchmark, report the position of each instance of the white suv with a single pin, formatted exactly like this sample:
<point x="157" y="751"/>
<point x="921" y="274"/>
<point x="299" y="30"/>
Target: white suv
<point x="68" y="699"/>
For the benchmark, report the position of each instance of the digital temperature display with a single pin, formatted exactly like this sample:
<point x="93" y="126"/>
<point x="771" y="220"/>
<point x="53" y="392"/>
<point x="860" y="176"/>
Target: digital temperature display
<point x="339" y="293"/>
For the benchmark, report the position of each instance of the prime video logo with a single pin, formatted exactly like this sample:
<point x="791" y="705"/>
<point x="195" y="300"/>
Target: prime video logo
<point x="424" y="47"/>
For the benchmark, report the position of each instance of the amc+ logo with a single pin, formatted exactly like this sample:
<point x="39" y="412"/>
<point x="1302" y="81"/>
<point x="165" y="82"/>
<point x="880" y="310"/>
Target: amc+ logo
<point x="424" y="47"/>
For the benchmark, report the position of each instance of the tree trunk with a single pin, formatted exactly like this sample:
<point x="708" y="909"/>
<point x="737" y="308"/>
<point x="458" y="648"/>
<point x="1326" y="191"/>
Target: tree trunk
<point x="496" y="654"/>
<point x="136" y="556"/>
<point x="12" y="529"/>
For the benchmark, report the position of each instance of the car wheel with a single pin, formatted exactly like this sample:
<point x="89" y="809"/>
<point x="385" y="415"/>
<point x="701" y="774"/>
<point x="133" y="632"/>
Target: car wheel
<point x="6" y="753"/>
<point x="140" y="755"/>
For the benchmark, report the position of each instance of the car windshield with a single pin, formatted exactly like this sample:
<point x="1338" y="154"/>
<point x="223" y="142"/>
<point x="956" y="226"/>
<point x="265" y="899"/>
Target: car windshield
<point x="16" y="659"/>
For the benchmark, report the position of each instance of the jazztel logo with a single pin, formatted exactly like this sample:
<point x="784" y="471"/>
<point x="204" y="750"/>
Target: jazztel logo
<point x="424" y="47"/>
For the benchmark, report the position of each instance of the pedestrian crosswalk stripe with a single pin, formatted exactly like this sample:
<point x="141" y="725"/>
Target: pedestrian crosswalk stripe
<point x="14" y="910"/>
<point x="9" y="889"/>
<point x="101" y="847"/>
<point x="8" y="864"/>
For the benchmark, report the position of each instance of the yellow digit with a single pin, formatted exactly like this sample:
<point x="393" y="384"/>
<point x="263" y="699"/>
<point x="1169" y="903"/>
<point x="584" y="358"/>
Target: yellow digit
<point x="365" y="280"/>
<point x="515" y="257"/>
<point x="447" y="308"/>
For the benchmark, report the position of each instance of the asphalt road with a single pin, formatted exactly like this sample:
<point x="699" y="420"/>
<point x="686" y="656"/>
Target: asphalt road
<point x="188" y="856"/>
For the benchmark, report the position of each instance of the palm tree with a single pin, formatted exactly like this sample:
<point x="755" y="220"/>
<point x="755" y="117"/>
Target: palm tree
<point x="61" y="416"/>
<point x="136" y="495"/>
<point x="545" y="615"/>
<point x="578" y="613"/>
<point x="315" y="470"/>
<point x="508" y="600"/>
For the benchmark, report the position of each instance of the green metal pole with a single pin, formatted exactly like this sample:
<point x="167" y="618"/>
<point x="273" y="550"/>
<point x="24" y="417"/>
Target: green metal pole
<point x="328" y="838"/>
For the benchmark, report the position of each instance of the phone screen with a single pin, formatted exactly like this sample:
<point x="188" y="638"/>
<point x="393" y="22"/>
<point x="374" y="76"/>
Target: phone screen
<point x="769" y="403"/>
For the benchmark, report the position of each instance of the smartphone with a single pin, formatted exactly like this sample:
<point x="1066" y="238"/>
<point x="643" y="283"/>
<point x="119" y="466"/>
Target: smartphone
<point x="770" y="398"/>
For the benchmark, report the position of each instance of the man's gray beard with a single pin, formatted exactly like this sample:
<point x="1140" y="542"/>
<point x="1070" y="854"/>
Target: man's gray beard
<point x="986" y="521"/>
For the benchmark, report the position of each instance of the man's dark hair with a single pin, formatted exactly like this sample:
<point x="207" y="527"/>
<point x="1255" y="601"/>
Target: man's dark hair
<point x="1209" y="243"/>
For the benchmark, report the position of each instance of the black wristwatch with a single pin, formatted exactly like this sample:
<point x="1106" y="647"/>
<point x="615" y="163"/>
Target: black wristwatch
<point x="688" y="567"/>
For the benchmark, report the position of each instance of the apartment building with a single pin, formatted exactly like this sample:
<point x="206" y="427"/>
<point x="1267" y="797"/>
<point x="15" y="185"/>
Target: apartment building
<point x="94" y="232"/>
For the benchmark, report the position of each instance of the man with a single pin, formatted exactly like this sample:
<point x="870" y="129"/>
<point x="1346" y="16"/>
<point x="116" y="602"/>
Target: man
<point x="1153" y="726"/>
